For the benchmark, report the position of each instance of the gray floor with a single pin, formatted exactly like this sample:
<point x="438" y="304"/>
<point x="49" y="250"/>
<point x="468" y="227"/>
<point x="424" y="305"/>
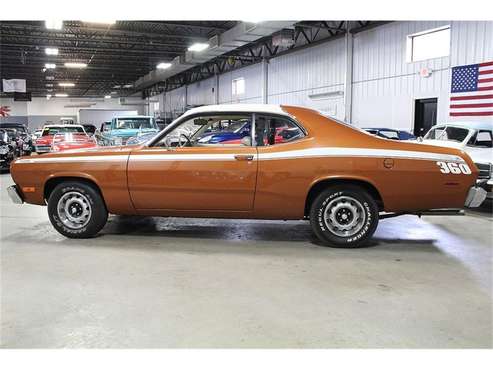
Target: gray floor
<point x="150" y="282"/>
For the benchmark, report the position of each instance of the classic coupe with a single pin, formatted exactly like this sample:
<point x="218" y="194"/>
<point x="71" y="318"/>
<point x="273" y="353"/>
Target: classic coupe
<point x="44" y="143"/>
<point x="340" y="178"/>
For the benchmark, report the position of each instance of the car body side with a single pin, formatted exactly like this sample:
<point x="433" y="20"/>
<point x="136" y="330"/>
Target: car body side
<point x="277" y="184"/>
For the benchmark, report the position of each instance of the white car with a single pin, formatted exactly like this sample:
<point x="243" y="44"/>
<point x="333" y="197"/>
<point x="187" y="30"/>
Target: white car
<point x="475" y="138"/>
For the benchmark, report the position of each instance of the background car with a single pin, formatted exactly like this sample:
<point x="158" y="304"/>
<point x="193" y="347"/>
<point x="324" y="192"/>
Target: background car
<point x="89" y="129"/>
<point x="44" y="142"/>
<point x="140" y="139"/>
<point x="389" y="133"/>
<point x="123" y="128"/>
<point x="67" y="141"/>
<point x="7" y="153"/>
<point x="475" y="138"/>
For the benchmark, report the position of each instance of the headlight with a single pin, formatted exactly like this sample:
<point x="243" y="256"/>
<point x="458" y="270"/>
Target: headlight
<point x="117" y="141"/>
<point x="4" y="149"/>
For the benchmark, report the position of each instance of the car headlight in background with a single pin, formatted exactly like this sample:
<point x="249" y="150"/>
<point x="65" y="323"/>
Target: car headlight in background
<point x="4" y="149"/>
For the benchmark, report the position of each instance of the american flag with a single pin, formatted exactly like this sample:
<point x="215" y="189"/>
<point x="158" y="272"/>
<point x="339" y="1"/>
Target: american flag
<point x="472" y="90"/>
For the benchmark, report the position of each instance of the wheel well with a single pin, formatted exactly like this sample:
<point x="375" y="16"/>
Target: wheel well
<point x="52" y="183"/>
<point x="322" y="185"/>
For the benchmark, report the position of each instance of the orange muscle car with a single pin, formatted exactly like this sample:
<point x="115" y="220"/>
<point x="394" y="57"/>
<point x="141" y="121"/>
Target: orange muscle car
<point x="295" y="164"/>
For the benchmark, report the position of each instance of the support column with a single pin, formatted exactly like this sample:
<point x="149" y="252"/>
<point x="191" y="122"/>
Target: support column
<point x="348" y="81"/>
<point x="265" y="81"/>
<point x="216" y="88"/>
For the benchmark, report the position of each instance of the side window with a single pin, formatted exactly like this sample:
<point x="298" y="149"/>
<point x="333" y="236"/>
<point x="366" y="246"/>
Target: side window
<point x="221" y="130"/>
<point x="482" y="138"/>
<point x="271" y="130"/>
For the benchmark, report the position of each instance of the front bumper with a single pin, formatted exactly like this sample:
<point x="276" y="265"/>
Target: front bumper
<point x="475" y="197"/>
<point x="14" y="195"/>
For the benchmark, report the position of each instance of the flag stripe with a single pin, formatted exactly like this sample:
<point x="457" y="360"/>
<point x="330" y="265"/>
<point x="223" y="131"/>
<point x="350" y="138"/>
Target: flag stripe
<point x="486" y="64"/>
<point x="479" y="105"/>
<point x="486" y="72"/>
<point x="485" y="80"/>
<point x="464" y="114"/>
<point x="485" y="88"/>
<point x="471" y="97"/>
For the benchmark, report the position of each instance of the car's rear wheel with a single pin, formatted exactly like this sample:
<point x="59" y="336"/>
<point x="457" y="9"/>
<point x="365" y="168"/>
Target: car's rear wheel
<point x="77" y="210"/>
<point x="344" y="216"/>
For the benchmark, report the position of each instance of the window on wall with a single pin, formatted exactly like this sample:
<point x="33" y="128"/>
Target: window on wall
<point x="238" y="87"/>
<point x="434" y="43"/>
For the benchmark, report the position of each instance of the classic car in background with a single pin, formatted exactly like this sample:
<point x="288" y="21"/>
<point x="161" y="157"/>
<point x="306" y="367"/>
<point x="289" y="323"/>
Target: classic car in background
<point x="141" y="138"/>
<point x="340" y="178"/>
<point x="475" y="138"/>
<point x="66" y="141"/>
<point x="20" y="136"/>
<point x="7" y="151"/>
<point x="389" y="133"/>
<point x="123" y="128"/>
<point x="44" y="143"/>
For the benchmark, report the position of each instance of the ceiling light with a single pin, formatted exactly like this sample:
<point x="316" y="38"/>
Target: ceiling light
<point x="61" y="95"/>
<point x="49" y="85"/>
<point x="66" y="84"/>
<point x="113" y="93"/>
<point x="163" y="65"/>
<point x="48" y="96"/>
<point x="116" y="86"/>
<point x="54" y="24"/>
<point x="128" y="86"/>
<point x="51" y="51"/>
<point x="44" y="69"/>
<point x="51" y="78"/>
<point x="50" y="65"/>
<point x="75" y="65"/>
<point x="198" y="46"/>
<point x="107" y="96"/>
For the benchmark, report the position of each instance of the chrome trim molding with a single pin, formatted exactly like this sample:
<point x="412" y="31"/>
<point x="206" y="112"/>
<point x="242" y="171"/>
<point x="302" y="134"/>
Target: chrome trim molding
<point x="475" y="197"/>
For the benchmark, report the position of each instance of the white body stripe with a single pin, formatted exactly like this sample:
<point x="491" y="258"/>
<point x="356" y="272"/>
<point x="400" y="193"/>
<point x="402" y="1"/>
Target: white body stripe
<point x="292" y="154"/>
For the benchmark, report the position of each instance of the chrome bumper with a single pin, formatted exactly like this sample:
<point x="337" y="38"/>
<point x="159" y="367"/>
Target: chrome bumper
<point x="14" y="194"/>
<point x="475" y="197"/>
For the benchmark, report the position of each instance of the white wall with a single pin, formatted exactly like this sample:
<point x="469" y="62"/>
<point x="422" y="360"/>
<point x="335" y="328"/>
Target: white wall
<point x="384" y="85"/>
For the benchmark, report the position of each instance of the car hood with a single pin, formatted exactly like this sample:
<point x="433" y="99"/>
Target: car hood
<point x="480" y="155"/>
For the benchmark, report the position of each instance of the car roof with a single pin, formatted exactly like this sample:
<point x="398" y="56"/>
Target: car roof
<point x="132" y="117"/>
<point x="234" y="108"/>
<point x="62" y="125"/>
<point x="469" y="125"/>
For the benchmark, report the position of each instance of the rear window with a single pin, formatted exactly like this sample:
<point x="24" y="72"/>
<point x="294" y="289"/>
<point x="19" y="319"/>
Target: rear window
<point x="482" y="139"/>
<point x="58" y="130"/>
<point x="448" y="133"/>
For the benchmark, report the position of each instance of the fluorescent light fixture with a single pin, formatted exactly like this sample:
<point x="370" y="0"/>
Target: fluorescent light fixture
<point x="103" y="21"/>
<point x="61" y="95"/>
<point x="198" y="46"/>
<point x="128" y="86"/>
<point x="51" y="51"/>
<point x="75" y="65"/>
<point x="116" y="86"/>
<point x="163" y="65"/>
<point x="48" y="96"/>
<point x="50" y="78"/>
<point x="113" y="93"/>
<point x="54" y="24"/>
<point x="44" y="69"/>
<point x="50" y="65"/>
<point x="49" y="85"/>
<point x="107" y="96"/>
<point x="66" y="84"/>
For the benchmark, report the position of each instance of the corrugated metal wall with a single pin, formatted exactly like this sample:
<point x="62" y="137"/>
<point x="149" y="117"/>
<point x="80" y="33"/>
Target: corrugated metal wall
<point x="384" y="86"/>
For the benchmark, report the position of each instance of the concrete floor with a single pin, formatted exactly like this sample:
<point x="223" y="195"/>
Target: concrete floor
<point x="150" y="282"/>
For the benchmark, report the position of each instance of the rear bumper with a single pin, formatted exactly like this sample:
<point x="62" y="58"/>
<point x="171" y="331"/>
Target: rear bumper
<point x="14" y="195"/>
<point x="475" y="197"/>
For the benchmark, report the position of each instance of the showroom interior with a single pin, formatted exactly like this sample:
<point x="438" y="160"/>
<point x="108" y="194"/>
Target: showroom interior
<point x="170" y="282"/>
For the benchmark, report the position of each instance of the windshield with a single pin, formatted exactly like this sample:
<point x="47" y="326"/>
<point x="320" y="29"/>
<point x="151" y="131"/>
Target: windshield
<point x="135" y="123"/>
<point x="447" y="133"/>
<point x="62" y="129"/>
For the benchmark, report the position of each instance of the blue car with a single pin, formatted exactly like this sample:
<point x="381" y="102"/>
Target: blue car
<point x="389" y="133"/>
<point x="123" y="128"/>
<point x="235" y="131"/>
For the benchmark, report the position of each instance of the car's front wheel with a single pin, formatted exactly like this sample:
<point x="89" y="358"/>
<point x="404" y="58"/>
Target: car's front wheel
<point x="344" y="216"/>
<point x="77" y="210"/>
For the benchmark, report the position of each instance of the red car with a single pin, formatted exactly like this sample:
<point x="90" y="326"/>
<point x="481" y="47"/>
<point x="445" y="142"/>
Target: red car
<point x="68" y="141"/>
<point x="44" y="143"/>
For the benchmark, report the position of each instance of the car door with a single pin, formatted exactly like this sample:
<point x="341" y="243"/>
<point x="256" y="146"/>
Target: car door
<point x="203" y="178"/>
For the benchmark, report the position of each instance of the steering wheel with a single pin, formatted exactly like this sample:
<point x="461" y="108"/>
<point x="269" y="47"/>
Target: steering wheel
<point x="187" y="143"/>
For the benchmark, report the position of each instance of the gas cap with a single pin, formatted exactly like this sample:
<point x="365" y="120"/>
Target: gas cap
<point x="388" y="163"/>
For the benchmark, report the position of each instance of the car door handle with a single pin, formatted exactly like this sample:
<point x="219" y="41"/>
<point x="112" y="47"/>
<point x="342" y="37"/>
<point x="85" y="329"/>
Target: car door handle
<point x="244" y="157"/>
